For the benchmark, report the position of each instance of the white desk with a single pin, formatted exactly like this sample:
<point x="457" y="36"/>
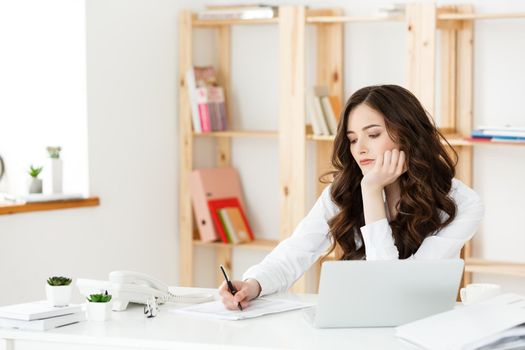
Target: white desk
<point x="131" y="330"/>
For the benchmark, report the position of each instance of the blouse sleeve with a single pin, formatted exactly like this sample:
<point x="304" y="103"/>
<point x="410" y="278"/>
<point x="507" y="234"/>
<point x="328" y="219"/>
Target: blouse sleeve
<point x="294" y="255"/>
<point x="447" y="243"/>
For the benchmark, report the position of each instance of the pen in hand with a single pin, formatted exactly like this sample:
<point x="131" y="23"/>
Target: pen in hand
<point x="230" y="286"/>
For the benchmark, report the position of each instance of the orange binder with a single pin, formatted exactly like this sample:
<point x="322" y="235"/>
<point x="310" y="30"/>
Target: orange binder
<point x="208" y="184"/>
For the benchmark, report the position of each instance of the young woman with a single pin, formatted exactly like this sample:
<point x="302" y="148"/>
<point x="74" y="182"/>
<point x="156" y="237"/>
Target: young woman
<point x="393" y="196"/>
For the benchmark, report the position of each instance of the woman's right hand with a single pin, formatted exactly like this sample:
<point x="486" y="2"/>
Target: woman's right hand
<point x="246" y="291"/>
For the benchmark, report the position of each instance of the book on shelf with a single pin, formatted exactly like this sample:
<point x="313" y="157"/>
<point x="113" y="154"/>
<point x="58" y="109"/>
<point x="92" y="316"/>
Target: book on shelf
<point x="238" y="12"/>
<point x="324" y="111"/>
<point x="207" y="100"/>
<point x="236" y="224"/>
<point x="509" y="132"/>
<point x="43" y="324"/>
<point x="314" y="112"/>
<point x="226" y="225"/>
<point x="207" y="184"/>
<point x="36" y="310"/>
<point x="217" y="106"/>
<point x="391" y="10"/>
<point x="501" y="136"/>
<point x="234" y="231"/>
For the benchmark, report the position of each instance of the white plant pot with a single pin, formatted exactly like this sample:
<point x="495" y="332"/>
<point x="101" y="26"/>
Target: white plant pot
<point x="58" y="295"/>
<point x="54" y="176"/>
<point x="98" y="311"/>
<point x="35" y="185"/>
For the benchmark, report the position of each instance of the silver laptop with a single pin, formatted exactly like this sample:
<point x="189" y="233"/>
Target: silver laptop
<point x="385" y="293"/>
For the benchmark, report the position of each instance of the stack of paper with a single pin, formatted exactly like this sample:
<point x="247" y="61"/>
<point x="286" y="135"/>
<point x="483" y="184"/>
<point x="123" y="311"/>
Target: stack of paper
<point x="470" y="327"/>
<point x="39" y="315"/>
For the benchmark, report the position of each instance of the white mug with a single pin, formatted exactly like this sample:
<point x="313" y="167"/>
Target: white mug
<point x="476" y="292"/>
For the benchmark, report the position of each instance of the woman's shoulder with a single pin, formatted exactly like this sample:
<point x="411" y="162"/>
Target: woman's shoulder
<point x="463" y="193"/>
<point x="326" y="199"/>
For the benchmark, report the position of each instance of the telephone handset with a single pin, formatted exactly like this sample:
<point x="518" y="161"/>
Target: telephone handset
<point x="136" y="287"/>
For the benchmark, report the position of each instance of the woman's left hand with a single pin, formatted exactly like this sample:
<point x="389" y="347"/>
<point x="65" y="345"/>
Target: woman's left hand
<point x="386" y="170"/>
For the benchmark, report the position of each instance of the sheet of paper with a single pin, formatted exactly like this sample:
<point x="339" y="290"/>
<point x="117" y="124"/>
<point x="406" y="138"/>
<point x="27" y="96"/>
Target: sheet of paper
<point x="257" y="307"/>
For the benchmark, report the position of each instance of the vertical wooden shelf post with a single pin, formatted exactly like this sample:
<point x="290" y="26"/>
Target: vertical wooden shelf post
<point x="448" y="72"/>
<point x="421" y="65"/>
<point x="329" y="73"/>
<point x="186" y="153"/>
<point x="464" y="107"/>
<point x="224" y="253"/>
<point x="292" y="141"/>
<point x="330" y="49"/>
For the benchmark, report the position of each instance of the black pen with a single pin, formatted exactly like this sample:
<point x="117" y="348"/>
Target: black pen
<point x="230" y="286"/>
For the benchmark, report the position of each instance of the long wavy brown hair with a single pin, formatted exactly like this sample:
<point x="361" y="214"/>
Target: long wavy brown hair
<point x="424" y="187"/>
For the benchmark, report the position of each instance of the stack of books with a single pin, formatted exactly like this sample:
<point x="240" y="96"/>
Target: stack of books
<point x="207" y="100"/>
<point x="499" y="133"/>
<point x="218" y="205"/>
<point x="39" y="316"/>
<point x="392" y="10"/>
<point x="238" y="12"/>
<point x="324" y="111"/>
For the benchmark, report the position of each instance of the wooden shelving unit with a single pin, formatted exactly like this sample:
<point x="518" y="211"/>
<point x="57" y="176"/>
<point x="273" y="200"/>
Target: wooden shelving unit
<point x="457" y="41"/>
<point x="290" y="135"/>
<point x="422" y="22"/>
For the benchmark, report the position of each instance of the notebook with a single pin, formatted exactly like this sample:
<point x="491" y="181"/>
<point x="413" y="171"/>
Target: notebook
<point x="36" y="310"/>
<point x="43" y="324"/>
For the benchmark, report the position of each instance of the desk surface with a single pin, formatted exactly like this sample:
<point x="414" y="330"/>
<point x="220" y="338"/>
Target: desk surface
<point x="130" y="329"/>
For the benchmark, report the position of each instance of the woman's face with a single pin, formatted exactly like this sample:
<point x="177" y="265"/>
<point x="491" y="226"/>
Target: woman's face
<point x="368" y="137"/>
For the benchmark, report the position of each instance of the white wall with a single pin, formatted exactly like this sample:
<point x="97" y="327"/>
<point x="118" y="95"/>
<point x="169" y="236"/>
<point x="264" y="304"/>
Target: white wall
<point x="132" y="143"/>
<point x="132" y="146"/>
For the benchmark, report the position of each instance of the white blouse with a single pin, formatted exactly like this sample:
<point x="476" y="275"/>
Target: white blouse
<point x="294" y="255"/>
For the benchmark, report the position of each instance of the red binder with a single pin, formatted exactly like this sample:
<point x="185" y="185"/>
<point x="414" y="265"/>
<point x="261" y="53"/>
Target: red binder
<point x="216" y="204"/>
<point x="212" y="183"/>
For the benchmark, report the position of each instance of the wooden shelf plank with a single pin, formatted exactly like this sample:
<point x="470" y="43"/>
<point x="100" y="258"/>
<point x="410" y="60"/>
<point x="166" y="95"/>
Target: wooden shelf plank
<point x="257" y="244"/>
<point x="215" y="23"/>
<point x="495" y="143"/>
<point x="475" y="16"/>
<point x="495" y="267"/>
<point x="52" y="205"/>
<point x="309" y="19"/>
<point x="320" y="138"/>
<point x="454" y="140"/>
<point x="350" y="19"/>
<point x="239" y="133"/>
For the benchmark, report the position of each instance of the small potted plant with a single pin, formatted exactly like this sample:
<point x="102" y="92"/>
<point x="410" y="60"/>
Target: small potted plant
<point x="99" y="306"/>
<point x="35" y="186"/>
<point x="58" y="290"/>
<point x="54" y="178"/>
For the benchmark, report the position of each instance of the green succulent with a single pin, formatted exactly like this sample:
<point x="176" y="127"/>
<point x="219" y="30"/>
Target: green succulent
<point x="99" y="298"/>
<point x="35" y="171"/>
<point x="59" y="281"/>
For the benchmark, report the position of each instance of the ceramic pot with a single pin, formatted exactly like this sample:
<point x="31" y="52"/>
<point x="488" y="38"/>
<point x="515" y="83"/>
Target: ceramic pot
<point x="35" y="185"/>
<point x="58" y="295"/>
<point x="98" y="311"/>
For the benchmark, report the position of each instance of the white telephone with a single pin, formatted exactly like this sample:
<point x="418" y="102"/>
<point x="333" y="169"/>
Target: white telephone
<point x="136" y="287"/>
